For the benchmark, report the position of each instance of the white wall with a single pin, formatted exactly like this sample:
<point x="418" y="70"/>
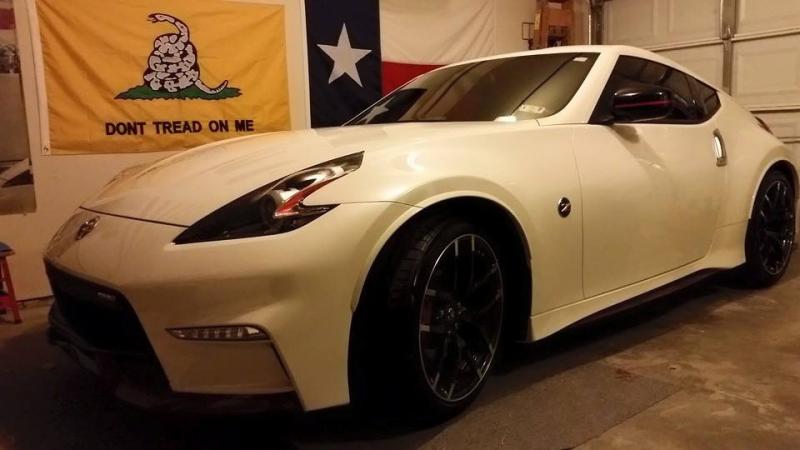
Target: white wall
<point x="63" y="182"/>
<point x="509" y="17"/>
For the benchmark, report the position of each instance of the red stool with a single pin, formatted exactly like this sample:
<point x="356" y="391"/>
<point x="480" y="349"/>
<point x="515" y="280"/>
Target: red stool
<point x="7" y="297"/>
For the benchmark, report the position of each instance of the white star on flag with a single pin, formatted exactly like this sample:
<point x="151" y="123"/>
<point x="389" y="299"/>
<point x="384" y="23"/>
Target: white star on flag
<point x="344" y="57"/>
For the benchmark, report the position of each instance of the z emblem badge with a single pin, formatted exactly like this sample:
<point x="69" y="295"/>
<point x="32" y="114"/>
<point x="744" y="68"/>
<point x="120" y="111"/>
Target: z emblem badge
<point x="564" y="207"/>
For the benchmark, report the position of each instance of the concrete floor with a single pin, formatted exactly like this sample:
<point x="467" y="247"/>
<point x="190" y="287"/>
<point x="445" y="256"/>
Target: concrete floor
<point x="708" y="367"/>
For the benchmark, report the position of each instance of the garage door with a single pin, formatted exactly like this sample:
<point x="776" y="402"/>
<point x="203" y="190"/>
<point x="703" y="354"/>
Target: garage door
<point x="758" y="40"/>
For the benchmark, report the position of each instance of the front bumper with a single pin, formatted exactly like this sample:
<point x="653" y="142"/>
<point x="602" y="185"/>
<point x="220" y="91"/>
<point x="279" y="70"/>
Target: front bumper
<point x="137" y="378"/>
<point x="300" y="287"/>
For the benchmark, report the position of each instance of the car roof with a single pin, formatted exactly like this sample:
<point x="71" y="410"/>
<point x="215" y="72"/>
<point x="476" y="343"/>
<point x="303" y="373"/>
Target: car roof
<point x="612" y="50"/>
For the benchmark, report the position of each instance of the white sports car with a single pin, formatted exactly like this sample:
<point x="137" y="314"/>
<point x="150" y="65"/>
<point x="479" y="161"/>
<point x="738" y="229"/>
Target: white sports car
<point x="490" y="201"/>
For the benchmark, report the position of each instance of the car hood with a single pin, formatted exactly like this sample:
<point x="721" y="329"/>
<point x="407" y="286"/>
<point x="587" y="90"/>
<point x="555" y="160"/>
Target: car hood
<point x="185" y="187"/>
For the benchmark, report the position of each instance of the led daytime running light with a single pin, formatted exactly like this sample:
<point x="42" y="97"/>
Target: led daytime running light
<point x="220" y="333"/>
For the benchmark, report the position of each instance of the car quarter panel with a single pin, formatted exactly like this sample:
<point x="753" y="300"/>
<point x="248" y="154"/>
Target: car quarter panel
<point x="751" y="151"/>
<point x="298" y="286"/>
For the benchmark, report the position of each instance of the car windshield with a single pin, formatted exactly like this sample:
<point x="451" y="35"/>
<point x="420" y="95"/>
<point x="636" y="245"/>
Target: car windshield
<point x="504" y="89"/>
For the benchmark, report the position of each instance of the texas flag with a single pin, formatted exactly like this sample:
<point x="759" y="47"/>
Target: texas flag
<point x="359" y="50"/>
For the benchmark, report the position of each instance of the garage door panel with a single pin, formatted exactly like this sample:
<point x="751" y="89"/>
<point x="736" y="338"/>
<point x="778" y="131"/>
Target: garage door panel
<point x="786" y="126"/>
<point x="761" y="15"/>
<point x="704" y="61"/>
<point x="631" y="22"/>
<point x="767" y="71"/>
<point x="701" y="23"/>
<point x="654" y="23"/>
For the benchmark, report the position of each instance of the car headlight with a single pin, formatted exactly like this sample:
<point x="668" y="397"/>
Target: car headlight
<point x="275" y="208"/>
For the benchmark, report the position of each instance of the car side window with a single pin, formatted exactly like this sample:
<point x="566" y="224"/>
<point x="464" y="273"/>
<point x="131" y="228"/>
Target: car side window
<point x="706" y="97"/>
<point x="685" y="107"/>
<point x="631" y="71"/>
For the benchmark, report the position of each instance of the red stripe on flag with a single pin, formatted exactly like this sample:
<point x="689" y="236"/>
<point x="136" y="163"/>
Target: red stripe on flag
<point x="7" y="19"/>
<point x="395" y="74"/>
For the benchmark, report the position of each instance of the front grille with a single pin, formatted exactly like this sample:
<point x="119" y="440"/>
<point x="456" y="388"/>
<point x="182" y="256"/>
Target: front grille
<point x="100" y="316"/>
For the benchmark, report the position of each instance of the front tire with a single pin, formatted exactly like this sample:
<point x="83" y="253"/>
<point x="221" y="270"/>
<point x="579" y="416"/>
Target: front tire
<point x="430" y="338"/>
<point x="770" y="231"/>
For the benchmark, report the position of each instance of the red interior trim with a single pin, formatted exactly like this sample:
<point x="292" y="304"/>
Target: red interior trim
<point x="651" y="103"/>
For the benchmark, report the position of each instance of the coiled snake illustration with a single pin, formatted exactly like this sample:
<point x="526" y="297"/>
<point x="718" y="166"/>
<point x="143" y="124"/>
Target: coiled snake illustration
<point x="173" y="63"/>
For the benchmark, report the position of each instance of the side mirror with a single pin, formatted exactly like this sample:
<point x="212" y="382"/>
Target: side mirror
<point x="641" y="104"/>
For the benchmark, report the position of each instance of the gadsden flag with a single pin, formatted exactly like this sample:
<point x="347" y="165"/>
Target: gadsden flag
<point x="147" y="75"/>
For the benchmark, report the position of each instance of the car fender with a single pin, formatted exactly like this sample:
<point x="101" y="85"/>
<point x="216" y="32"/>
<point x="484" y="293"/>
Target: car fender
<point x="765" y="167"/>
<point x="427" y="195"/>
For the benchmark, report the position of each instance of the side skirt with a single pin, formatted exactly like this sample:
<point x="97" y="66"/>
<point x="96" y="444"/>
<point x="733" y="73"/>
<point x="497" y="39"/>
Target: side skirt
<point x="662" y="291"/>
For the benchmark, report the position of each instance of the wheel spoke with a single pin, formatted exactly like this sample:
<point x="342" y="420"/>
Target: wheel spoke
<point x="440" y="360"/>
<point x="472" y="361"/>
<point x="485" y="308"/>
<point x="433" y="329"/>
<point x="463" y="265"/>
<point x="455" y="265"/>
<point x="477" y="285"/>
<point x="782" y="191"/>
<point x="446" y="296"/>
<point x="484" y="338"/>
<point x="471" y="260"/>
<point x="763" y="216"/>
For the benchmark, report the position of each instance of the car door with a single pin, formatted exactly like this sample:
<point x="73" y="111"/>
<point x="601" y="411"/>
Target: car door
<point x="651" y="190"/>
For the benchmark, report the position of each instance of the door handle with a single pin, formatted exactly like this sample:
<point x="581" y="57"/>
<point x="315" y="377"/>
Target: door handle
<point x="719" y="149"/>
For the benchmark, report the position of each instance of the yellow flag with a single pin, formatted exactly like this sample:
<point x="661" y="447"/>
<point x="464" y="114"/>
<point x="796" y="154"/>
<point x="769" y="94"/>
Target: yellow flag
<point x="147" y="75"/>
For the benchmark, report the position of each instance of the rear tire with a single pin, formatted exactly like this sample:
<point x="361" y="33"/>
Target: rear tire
<point x="428" y="334"/>
<point x="770" y="232"/>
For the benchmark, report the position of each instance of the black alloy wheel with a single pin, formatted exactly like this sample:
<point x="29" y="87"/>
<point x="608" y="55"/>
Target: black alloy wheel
<point x="461" y="316"/>
<point x="428" y="332"/>
<point x="771" y="231"/>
